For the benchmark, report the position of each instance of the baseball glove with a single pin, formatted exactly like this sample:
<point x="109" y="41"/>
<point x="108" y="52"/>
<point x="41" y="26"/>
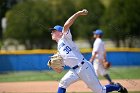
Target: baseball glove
<point x="56" y="62"/>
<point x="106" y="64"/>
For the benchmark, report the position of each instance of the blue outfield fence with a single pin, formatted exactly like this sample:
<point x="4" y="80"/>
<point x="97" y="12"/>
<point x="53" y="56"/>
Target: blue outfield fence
<point x="21" y="62"/>
<point x="37" y="60"/>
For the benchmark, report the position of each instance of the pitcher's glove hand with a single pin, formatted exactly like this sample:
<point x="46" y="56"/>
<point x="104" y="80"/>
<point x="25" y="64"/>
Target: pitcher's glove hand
<point x="56" y="63"/>
<point x="106" y="64"/>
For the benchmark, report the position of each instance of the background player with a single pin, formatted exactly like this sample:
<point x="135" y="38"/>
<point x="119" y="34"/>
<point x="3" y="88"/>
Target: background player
<point x="81" y="69"/>
<point x="99" y="55"/>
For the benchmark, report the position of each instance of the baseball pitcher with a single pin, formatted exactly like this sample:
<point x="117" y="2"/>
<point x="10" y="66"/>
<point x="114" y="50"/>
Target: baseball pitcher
<point x="81" y="69"/>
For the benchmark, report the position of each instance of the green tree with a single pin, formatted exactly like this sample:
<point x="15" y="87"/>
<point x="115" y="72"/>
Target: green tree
<point x="29" y="21"/>
<point x="3" y="9"/>
<point x="121" y="21"/>
<point x="60" y="12"/>
<point x="91" y="22"/>
<point x="33" y="18"/>
<point x="5" y="5"/>
<point x="25" y="23"/>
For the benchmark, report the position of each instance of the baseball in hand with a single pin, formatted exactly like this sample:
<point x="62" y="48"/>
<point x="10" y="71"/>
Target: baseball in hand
<point x="85" y="10"/>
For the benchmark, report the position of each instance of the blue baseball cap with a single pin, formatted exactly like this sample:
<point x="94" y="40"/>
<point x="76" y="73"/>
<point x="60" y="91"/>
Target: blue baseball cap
<point x="98" y="32"/>
<point x="57" y="27"/>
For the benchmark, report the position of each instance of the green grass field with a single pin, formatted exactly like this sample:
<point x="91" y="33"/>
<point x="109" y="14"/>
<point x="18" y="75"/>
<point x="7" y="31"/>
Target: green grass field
<point x="124" y="73"/>
<point x="115" y="72"/>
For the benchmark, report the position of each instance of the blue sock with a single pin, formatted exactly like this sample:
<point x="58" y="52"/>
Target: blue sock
<point x="61" y="90"/>
<point x="110" y="88"/>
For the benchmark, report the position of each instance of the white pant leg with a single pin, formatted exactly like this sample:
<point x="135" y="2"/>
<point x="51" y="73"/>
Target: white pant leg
<point x="99" y="69"/>
<point x="102" y="71"/>
<point x="87" y="74"/>
<point x="96" y="67"/>
<point x="70" y="77"/>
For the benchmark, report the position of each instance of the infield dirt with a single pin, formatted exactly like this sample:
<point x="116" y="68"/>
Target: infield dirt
<point x="51" y="86"/>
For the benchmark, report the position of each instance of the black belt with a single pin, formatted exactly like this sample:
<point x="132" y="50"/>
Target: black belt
<point x="77" y="65"/>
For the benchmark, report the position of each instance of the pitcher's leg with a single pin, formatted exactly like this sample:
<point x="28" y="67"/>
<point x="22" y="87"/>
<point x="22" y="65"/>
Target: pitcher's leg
<point x="116" y="87"/>
<point x="110" y="88"/>
<point x="93" y="83"/>
<point x="89" y="77"/>
<point x="61" y="90"/>
<point x="69" y="78"/>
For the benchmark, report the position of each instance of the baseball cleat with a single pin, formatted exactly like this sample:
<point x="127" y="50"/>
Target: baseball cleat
<point x="122" y="89"/>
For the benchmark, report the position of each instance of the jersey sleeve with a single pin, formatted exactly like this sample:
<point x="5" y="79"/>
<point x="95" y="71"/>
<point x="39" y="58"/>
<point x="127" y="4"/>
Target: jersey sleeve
<point x="67" y="35"/>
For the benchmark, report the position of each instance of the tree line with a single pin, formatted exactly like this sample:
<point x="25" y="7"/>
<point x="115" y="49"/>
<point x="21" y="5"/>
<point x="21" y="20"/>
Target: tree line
<point x="28" y="21"/>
